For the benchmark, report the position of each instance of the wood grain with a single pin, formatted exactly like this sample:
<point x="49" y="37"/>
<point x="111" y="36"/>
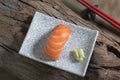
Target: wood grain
<point x="15" y="18"/>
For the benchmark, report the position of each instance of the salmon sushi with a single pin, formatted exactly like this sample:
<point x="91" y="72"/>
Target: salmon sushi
<point x="56" y="41"/>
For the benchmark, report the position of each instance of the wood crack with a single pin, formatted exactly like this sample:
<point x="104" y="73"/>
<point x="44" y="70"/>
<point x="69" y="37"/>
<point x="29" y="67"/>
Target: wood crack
<point x="117" y="42"/>
<point x="7" y="48"/>
<point x="113" y="50"/>
<point x="7" y="6"/>
<point x="15" y="19"/>
<point x="112" y="68"/>
<point x="100" y="43"/>
<point x="27" y="4"/>
<point x="95" y="66"/>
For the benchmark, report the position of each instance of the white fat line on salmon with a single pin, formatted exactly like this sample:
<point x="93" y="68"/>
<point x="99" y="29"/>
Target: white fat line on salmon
<point x="58" y="37"/>
<point x="50" y="54"/>
<point x="47" y="53"/>
<point x="57" y="43"/>
<point x="54" y="50"/>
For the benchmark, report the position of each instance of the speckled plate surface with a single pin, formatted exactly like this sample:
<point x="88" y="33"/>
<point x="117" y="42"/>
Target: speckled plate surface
<point x="80" y="37"/>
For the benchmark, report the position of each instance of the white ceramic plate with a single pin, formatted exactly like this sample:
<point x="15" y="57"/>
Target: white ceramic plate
<point x="80" y="37"/>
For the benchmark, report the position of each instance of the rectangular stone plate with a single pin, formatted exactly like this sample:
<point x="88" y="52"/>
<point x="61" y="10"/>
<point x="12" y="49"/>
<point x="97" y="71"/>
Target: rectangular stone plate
<point x="80" y="37"/>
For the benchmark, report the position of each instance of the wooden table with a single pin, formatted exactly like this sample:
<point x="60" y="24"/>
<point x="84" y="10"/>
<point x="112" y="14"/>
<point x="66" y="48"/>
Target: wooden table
<point x="15" y="18"/>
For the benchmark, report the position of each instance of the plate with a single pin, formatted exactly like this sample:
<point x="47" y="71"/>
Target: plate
<point x="81" y="37"/>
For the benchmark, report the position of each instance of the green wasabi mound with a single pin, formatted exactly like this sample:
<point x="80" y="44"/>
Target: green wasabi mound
<point x="78" y="54"/>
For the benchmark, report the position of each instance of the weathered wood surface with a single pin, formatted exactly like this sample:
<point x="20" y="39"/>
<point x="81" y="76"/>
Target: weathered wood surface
<point x="15" y="18"/>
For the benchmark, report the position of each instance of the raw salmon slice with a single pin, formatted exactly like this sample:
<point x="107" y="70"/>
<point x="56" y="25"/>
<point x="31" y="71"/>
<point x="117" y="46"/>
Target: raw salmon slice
<point x="56" y="41"/>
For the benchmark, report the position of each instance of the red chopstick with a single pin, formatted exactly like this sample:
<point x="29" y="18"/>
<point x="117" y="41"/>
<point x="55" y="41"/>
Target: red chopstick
<point x="100" y="13"/>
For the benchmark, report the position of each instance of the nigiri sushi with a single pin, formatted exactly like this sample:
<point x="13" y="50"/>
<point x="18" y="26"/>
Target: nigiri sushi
<point x="56" y="41"/>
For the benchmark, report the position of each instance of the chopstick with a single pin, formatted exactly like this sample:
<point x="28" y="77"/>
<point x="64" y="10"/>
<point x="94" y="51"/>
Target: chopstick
<point x="100" y="13"/>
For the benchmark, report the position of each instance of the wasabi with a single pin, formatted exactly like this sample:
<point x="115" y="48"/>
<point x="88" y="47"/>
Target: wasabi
<point x="78" y="54"/>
